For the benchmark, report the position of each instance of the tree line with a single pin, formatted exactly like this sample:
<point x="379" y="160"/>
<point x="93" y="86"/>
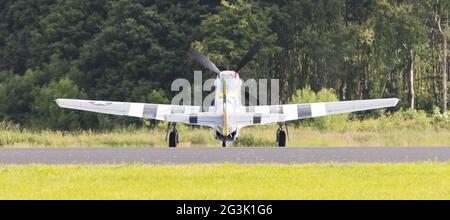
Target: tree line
<point x="128" y="50"/>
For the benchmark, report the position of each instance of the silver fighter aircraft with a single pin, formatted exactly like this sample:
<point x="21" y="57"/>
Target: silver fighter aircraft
<point x="228" y="115"/>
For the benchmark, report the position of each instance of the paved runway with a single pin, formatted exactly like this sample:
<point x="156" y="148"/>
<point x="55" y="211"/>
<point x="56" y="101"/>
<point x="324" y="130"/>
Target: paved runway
<point x="221" y="155"/>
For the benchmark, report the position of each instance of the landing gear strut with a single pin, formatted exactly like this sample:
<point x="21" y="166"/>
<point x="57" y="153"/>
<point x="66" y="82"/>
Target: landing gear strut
<point x="173" y="135"/>
<point x="281" y="136"/>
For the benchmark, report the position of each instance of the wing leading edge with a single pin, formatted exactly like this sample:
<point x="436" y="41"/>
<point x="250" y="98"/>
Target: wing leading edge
<point x="289" y="112"/>
<point x="171" y="113"/>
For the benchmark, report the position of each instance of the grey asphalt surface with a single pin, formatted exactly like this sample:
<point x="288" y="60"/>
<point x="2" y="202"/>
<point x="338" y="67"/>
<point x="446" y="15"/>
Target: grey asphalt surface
<point x="222" y="155"/>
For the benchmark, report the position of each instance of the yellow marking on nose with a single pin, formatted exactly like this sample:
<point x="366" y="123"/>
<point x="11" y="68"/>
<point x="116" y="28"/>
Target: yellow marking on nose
<point x="225" y="117"/>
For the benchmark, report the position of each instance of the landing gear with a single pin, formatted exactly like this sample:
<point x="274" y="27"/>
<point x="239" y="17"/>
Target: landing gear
<point x="281" y="137"/>
<point x="173" y="135"/>
<point x="173" y="139"/>
<point x="224" y="143"/>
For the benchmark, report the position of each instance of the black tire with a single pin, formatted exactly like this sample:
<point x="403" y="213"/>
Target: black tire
<point x="173" y="139"/>
<point x="281" y="139"/>
<point x="224" y="143"/>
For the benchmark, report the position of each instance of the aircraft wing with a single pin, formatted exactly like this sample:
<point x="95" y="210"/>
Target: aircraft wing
<point x="282" y="113"/>
<point x="170" y="113"/>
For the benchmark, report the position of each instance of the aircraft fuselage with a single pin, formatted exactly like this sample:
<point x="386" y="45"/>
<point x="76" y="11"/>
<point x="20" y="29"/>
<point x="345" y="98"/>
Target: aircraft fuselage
<point x="227" y="101"/>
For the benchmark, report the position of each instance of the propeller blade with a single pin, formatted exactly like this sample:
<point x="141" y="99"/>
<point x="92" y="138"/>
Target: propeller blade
<point x="248" y="56"/>
<point x="203" y="60"/>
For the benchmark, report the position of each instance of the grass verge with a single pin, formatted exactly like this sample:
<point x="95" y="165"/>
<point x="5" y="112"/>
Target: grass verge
<point x="250" y="136"/>
<point x="425" y="180"/>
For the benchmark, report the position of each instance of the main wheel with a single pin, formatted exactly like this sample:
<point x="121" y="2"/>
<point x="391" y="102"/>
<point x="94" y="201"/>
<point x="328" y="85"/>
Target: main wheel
<point x="173" y="139"/>
<point x="281" y="138"/>
<point x="224" y="143"/>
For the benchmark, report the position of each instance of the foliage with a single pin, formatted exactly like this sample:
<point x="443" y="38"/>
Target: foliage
<point x="131" y="50"/>
<point x="252" y="141"/>
<point x="46" y="114"/>
<point x="17" y="94"/>
<point x="306" y="95"/>
<point x="226" y="46"/>
<point x="368" y="132"/>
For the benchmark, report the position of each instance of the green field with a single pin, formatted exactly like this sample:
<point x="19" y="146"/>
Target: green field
<point x="227" y="181"/>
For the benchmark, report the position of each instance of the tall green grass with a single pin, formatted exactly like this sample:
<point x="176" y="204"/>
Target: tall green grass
<point x="252" y="136"/>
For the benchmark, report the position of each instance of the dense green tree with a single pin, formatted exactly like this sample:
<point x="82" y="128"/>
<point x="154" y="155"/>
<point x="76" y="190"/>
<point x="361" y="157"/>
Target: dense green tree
<point x="19" y="19"/>
<point x="17" y="94"/>
<point x="64" y="30"/>
<point x="231" y="32"/>
<point x="45" y="112"/>
<point x="136" y="45"/>
<point x="131" y="50"/>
